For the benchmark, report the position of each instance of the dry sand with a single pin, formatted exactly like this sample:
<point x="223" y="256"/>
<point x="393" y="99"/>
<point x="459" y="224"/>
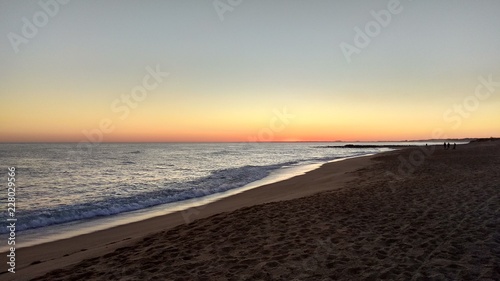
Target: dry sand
<point x="40" y="259"/>
<point x="437" y="219"/>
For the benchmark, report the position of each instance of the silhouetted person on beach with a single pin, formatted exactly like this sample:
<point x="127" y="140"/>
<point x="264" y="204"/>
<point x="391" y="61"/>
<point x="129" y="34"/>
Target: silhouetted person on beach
<point x="444" y="144"/>
<point x="448" y="146"/>
<point x="454" y="145"/>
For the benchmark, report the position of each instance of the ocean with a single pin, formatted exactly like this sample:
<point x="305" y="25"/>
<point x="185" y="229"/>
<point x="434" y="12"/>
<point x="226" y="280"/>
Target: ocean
<point x="60" y="192"/>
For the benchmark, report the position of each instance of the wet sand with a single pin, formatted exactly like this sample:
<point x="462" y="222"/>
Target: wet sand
<point x="413" y="214"/>
<point x="40" y="259"/>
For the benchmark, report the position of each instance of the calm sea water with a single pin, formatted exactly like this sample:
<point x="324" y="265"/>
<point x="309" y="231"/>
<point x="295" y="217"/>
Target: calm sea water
<point x="54" y="186"/>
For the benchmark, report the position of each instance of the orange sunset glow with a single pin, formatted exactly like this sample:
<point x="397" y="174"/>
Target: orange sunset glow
<point x="224" y="81"/>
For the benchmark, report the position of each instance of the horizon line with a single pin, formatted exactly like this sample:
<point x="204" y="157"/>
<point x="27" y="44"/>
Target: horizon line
<point x="309" y="141"/>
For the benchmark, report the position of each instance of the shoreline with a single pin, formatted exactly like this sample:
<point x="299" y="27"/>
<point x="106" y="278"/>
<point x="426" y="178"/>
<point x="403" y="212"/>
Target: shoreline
<point x="437" y="219"/>
<point x="31" y="237"/>
<point x="41" y="258"/>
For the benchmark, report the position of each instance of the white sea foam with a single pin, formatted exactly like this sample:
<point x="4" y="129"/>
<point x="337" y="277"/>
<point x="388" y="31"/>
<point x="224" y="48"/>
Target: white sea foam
<point x="55" y="188"/>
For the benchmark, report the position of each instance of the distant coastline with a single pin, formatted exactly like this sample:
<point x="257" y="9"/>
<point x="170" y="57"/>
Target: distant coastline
<point x="368" y="146"/>
<point x="463" y="141"/>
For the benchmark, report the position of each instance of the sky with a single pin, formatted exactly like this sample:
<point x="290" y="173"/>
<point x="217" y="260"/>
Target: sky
<point x="241" y="70"/>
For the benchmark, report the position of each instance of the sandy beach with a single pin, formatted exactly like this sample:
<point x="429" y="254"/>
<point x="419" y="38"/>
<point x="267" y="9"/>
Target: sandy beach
<point x="412" y="214"/>
<point x="250" y="140"/>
